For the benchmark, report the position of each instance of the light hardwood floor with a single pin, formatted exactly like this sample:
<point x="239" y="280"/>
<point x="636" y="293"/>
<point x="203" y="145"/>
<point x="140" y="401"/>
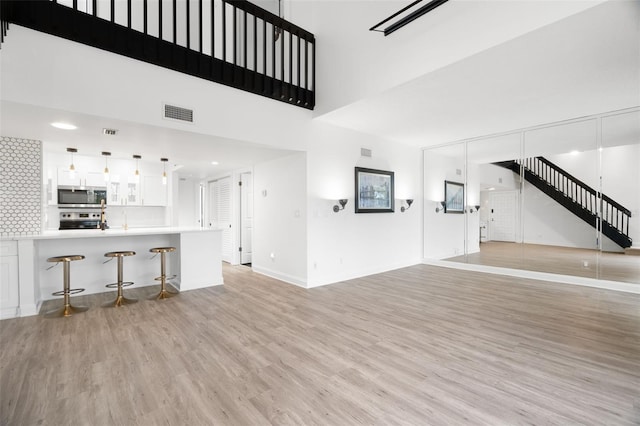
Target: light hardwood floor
<point x="557" y="260"/>
<point x="417" y="346"/>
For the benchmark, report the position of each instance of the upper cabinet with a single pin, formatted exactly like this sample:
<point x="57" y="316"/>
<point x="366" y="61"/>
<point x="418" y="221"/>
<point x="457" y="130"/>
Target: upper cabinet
<point x="154" y="192"/>
<point x="80" y="178"/>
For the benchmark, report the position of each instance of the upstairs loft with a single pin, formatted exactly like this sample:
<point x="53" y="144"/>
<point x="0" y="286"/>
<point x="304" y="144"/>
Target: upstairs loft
<point x="231" y="42"/>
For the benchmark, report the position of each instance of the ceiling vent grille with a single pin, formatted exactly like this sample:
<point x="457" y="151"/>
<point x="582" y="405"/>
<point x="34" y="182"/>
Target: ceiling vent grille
<point x="364" y="152"/>
<point x="173" y="112"/>
<point x="110" y="132"/>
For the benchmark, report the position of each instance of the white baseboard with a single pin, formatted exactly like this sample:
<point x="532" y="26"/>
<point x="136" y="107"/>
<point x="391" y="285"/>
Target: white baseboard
<point x="8" y="313"/>
<point x="30" y="309"/>
<point x="218" y="281"/>
<point x="542" y="276"/>
<point x="289" y="279"/>
<point x="336" y="278"/>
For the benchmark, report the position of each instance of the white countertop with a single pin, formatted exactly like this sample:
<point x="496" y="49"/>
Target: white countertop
<point x="116" y="232"/>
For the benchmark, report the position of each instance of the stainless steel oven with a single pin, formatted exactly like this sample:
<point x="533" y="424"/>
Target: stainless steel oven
<point x="69" y="196"/>
<point x="83" y="219"/>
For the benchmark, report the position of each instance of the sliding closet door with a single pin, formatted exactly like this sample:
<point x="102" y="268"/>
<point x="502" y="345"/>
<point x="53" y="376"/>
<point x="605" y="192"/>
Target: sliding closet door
<point x="620" y="171"/>
<point x="560" y="198"/>
<point x="445" y="202"/>
<point x="493" y="215"/>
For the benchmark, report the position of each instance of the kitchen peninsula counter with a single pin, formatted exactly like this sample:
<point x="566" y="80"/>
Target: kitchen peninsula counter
<point x="197" y="261"/>
<point x="113" y="232"/>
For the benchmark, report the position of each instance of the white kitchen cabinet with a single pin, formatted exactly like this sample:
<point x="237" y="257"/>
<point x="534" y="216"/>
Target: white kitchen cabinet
<point x="114" y="191"/>
<point x="81" y="178"/>
<point x="9" y="284"/>
<point x="154" y="192"/>
<point x="132" y="193"/>
<point x="65" y="178"/>
<point x="95" y="179"/>
<point x="123" y="191"/>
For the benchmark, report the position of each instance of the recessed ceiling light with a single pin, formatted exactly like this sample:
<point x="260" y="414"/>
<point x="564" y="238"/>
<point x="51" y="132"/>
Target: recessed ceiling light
<point x="491" y="189"/>
<point x="574" y="152"/>
<point x="64" y="126"/>
<point x="215" y="163"/>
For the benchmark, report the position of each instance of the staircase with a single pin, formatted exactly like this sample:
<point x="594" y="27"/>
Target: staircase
<point x="231" y="42"/>
<point x="576" y="196"/>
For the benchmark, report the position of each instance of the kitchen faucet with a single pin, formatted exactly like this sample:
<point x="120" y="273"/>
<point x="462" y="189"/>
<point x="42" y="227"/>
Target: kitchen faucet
<point x="103" y="217"/>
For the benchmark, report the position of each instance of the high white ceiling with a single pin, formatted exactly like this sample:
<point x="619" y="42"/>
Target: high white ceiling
<point x="585" y="64"/>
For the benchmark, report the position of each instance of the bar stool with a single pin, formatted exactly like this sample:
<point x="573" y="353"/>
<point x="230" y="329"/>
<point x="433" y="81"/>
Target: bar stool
<point x="164" y="293"/>
<point x="67" y="310"/>
<point x="120" y="299"/>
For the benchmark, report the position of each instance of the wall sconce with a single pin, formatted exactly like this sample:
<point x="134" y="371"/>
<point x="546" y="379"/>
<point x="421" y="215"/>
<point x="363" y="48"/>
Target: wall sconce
<point x="403" y="208"/>
<point x="473" y="209"/>
<point x="72" y="168"/>
<point x="337" y="208"/>
<point x="106" y="165"/>
<point x="439" y="206"/>
<point x="164" y="170"/>
<point x="136" y="174"/>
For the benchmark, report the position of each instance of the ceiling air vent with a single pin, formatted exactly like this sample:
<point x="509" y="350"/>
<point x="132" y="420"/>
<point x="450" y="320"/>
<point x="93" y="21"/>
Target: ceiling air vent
<point x="173" y="112"/>
<point x="364" y="152"/>
<point x="109" y="132"/>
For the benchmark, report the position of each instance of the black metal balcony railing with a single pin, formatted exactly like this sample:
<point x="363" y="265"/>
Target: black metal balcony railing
<point x="232" y="42"/>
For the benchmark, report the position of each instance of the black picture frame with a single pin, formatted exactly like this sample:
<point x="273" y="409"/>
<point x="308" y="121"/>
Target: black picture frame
<point x="374" y="191"/>
<point x="453" y="197"/>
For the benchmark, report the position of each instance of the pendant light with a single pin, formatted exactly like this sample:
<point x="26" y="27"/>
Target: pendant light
<point x="106" y="165"/>
<point x="136" y="174"/>
<point x="164" y="170"/>
<point x="277" y="30"/>
<point x="72" y="168"/>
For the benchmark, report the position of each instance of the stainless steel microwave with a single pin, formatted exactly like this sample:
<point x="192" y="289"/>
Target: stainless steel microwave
<point x="90" y="197"/>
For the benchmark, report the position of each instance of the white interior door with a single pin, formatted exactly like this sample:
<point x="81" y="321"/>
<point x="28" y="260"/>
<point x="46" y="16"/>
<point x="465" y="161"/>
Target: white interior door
<point x="220" y="212"/>
<point x="246" y="217"/>
<point x="503" y="215"/>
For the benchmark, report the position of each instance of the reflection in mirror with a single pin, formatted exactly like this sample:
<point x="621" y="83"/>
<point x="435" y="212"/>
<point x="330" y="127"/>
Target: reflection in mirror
<point x="559" y="208"/>
<point x="574" y="211"/>
<point x="494" y="185"/>
<point x="620" y="163"/>
<point x="444" y="232"/>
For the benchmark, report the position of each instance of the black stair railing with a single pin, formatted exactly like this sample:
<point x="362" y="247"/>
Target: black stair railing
<point x="232" y="42"/>
<point x="576" y="196"/>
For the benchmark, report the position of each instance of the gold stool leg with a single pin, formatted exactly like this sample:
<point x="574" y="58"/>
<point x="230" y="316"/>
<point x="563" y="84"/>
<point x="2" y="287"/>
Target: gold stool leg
<point x="67" y="309"/>
<point x="120" y="299"/>
<point x="164" y="293"/>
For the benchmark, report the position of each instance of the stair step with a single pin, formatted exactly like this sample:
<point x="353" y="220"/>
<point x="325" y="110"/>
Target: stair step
<point x="634" y="251"/>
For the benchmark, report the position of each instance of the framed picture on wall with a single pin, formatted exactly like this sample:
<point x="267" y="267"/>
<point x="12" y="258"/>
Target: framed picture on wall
<point x="453" y="197"/>
<point x="374" y="191"/>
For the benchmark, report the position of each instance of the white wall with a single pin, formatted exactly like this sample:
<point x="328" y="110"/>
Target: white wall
<point x="280" y="225"/>
<point x="188" y="202"/>
<point x="444" y="233"/>
<point x="344" y="245"/>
